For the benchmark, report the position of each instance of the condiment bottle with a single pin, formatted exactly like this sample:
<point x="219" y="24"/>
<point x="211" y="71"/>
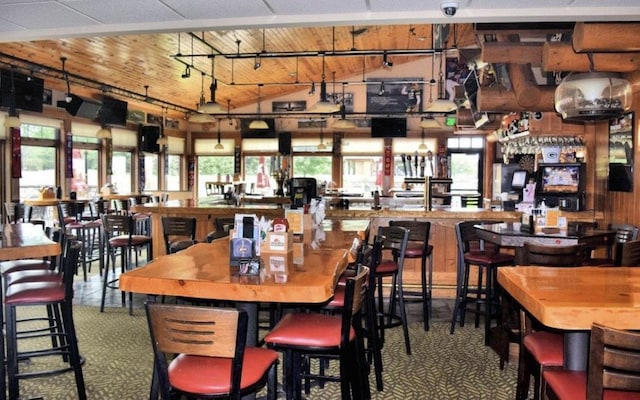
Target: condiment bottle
<point x="280" y="225"/>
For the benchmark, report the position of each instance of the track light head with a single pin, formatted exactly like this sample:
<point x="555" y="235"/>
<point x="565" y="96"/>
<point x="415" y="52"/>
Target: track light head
<point x="386" y="62"/>
<point x="187" y="73"/>
<point x="257" y="64"/>
<point x="381" y="90"/>
<point x="312" y="90"/>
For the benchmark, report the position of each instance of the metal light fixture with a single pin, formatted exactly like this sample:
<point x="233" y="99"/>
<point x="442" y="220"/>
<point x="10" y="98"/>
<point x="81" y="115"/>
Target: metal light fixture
<point x="324" y="105"/>
<point x="257" y="64"/>
<point x="591" y="96"/>
<point x="187" y="73"/>
<point x="343" y="122"/>
<point x="429" y="123"/>
<point x="385" y="61"/>
<point x="322" y="146"/>
<point x="381" y="90"/>
<point x="199" y="117"/>
<point x="219" y="145"/>
<point x="258" y="123"/>
<point x="422" y="147"/>
<point x="212" y="107"/>
<point x="12" y="120"/>
<point x="442" y="104"/>
<point x="103" y="133"/>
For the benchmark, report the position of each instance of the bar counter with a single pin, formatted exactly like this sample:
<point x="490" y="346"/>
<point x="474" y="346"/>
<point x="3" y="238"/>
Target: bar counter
<point x="443" y="221"/>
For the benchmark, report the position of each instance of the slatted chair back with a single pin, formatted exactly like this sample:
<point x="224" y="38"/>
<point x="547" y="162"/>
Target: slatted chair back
<point x="628" y="254"/>
<point x="555" y="256"/>
<point x="17" y="212"/>
<point x="614" y="361"/>
<point x="178" y="229"/>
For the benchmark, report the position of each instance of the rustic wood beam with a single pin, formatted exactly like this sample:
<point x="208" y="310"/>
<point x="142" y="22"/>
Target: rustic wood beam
<point x="559" y="56"/>
<point x="497" y="99"/>
<point x="606" y="37"/>
<point x="524" y="85"/>
<point x="512" y="53"/>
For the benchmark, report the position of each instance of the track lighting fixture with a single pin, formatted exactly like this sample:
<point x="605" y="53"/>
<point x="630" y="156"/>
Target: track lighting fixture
<point x="312" y="90"/>
<point x="257" y="64"/>
<point x="187" y="72"/>
<point x="385" y="61"/>
<point x="201" y="118"/>
<point x="324" y="105"/>
<point x="212" y="107"/>
<point x="381" y="90"/>
<point x="343" y="122"/>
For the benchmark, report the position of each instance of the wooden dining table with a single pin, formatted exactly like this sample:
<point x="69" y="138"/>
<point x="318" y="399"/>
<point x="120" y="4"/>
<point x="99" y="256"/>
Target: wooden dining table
<point x="25" y="241"/>
<point x="571" y="299"/>
<point x="306" y="275"/>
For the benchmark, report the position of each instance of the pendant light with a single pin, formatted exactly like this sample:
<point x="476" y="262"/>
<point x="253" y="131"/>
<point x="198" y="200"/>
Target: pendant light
<point x="259" y="123"/>
<point x="591" y="96"/>
<point x="219" y="145"/>
<point x="200" y="117"/>
<point x="343" y="122"/>
<point x="324" y="106"/>
<point x="429" y="123"/>
<point x="422" y="147"/>
<point x="12" y="120"/>
<point x="104" y="133"/>
<point x="322" y="146"/>
<point x="211" y="107"/>
<point x="442" y="104"/>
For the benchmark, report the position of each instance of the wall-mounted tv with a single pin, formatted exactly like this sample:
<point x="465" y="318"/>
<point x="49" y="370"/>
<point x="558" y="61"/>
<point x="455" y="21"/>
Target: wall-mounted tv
<point x="620" y="177"/>
<point x="388" y="127"/>
<point x="148" y="138"/>
<point x="113" y="112"/>
<point x="248" y="133"/>
<point x="28" y="91"/>
<point x="560" y="178"/>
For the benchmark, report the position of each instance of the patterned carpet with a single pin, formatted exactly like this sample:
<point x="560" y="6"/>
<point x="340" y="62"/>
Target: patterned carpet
<point x="443" y="366"/>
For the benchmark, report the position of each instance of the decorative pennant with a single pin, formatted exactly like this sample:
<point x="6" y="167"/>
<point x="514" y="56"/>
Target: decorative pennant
<point x="16" y="154"/>
<point x="68" y="155"/>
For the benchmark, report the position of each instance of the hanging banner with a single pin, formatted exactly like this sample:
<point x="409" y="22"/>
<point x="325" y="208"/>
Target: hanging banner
<point x="109" y="166"/>
<point x="68" y="155"/>
<point x="141" y="173"/>
<point x="191" y="173"/>
<point x="237" y="160"/>
<point x="388" y="160"/>
<point x="16" y="154"/>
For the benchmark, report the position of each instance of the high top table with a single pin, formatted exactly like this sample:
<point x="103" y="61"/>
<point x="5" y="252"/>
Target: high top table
<point x="571" y="299"/>
<point x="307" y="275"/>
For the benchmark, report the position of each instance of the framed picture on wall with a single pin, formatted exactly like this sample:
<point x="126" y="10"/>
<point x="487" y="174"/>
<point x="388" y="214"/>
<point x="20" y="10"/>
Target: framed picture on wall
<point x="621" y="132"/>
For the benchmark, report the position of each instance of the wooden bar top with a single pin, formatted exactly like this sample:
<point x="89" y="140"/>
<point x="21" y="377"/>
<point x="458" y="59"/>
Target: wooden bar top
<point x="574" y="298"/>
<point x="25" y="241"/>
<point x="203" y="271"/>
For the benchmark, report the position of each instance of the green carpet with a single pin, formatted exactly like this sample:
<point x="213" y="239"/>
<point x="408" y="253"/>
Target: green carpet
<point x="443" y="366"/>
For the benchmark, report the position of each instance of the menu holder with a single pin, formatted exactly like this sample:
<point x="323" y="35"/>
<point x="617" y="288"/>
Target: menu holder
<point x="552" y="217"/>
<point x="278" y="242"/>
<point x="296" y="220"/>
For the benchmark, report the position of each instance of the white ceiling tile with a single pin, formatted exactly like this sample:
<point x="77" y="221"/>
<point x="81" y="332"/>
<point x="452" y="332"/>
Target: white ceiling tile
<point x="217" y="9"/>
<point x="45" y="15"/>
<point x="124" y="11"/>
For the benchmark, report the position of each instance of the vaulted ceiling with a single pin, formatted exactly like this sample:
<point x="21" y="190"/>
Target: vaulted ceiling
<point x="141" y="49"/>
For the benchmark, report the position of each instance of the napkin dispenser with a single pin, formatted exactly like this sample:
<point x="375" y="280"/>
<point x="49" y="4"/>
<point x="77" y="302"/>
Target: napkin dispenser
<point x="242" y="248"/>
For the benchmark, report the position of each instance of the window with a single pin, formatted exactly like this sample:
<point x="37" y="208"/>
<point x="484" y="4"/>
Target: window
<point x="85" y="173"/>
<point x="214" y="165"/>
<point x="312" y="166"/>
<point x="39" y="159"/>
<point x="466" y="154"/>
<point x="174" y="160"/>
<point x="121" y="168"/>
<point x="362" y="168"/>
<point x="150" y="171"/>
<point x="408" y="161"/>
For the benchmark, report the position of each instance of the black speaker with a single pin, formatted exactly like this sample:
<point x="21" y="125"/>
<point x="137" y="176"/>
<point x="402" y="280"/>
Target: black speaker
<point x="284" y="143"/>
<point x="82" y="108"/>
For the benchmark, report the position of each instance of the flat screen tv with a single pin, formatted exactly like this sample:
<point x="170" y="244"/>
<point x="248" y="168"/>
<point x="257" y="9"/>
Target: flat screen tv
<point x="248" y="133"/>
<point x="388" y="127"/>
<point x="113" y="112"/>
<point x="148" y="139"/>
<point x="620" y="177"/>
<point x="560" y="178"/>
<point x="29" y="91"/>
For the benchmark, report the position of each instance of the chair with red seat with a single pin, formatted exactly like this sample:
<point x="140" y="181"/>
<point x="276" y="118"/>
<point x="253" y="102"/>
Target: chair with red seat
<point x="207" y="353"/>
<point x="542" y="349"/>
<point x="473" y="251"/>
<point x="419" y="247"/>
<point x="119" y="232"/>
<point x="57" y="296"/>
<point x="613" y="371"/>
<point x="178" y="232"/>
<point x="300" y="334"/>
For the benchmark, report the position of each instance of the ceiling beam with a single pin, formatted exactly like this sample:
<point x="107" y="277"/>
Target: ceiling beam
<point x="560" y="56"/>
<point x="499" y="100"/>
<point x="606" y="37"/>
<point x="512" y="53"/>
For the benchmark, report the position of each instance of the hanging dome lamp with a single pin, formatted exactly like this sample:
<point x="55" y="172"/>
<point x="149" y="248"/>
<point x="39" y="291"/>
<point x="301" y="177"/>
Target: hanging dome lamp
<point x="592" y="96"/>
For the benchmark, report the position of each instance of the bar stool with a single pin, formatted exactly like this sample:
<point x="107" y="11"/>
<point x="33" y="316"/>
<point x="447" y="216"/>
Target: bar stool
<point x="472" y="251"/>
<point x="394" y="241"/>
<point x="58" y="298"/>
<point x="119" y="234"/>
<point x="87" y="231"/>
<point x="419" y="247"/>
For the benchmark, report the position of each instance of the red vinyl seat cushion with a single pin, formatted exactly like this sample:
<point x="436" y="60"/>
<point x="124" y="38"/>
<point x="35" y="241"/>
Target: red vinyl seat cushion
<point x="212" y="375"/>
<point x="387" y="267"/>
<point x="21" y="265"/>
<point x="123" y="240"/>
<point x="414" y="250"/>
<point x="486" y="257"/>
<point x="34" y="292"/>
<point x="545" y="347"/>
<point x="309" y="330"/>
<point x="36" y="275"/>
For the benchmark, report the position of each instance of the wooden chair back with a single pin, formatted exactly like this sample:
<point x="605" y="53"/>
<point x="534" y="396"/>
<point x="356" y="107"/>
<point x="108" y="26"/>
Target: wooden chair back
<point x="553" y="256"/>
<point x="178" y="228"/>
<point x="468" y="239"/>
<point x="614" y="361"/>
<point x="419" y="231"/>
<point x="200" y="331"/>
<point x="628" y="254"/>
